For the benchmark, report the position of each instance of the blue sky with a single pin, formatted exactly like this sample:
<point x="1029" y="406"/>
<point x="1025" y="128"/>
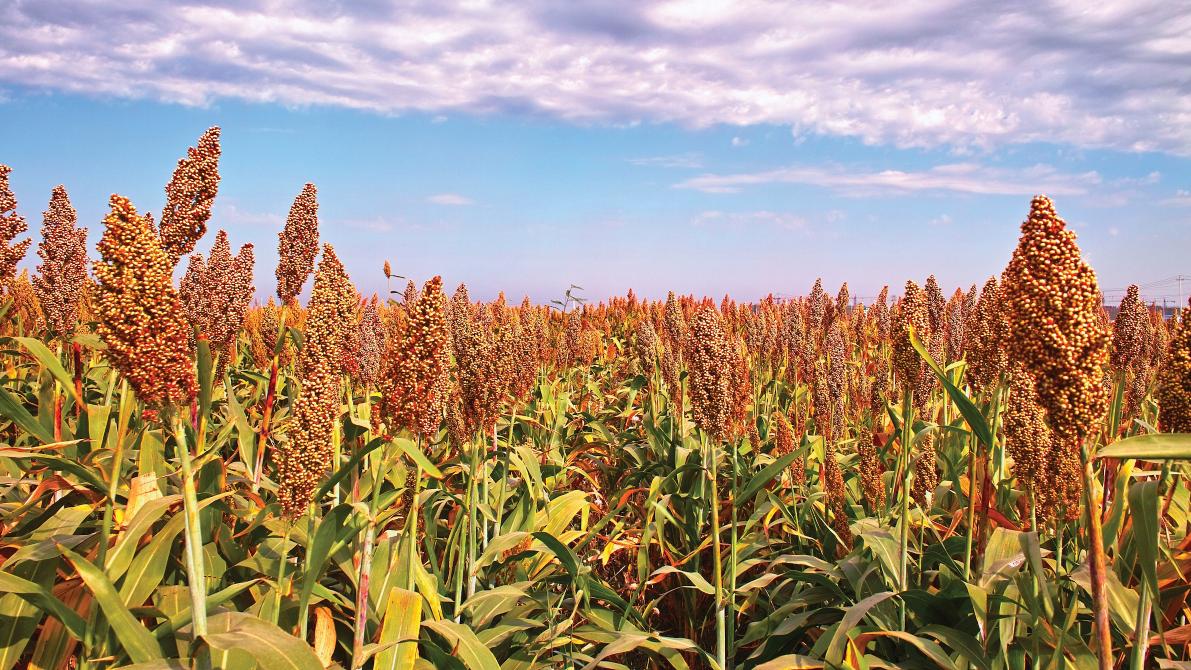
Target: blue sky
<point x="623" y="149"/>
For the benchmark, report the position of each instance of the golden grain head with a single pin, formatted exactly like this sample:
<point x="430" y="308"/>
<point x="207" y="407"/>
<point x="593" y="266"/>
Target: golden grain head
<point x="189" y="196"/>
<point x="1053" y="305"/>
<point x="140" y="314"/>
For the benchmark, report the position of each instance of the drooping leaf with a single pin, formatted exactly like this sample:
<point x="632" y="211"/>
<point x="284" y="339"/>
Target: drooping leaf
<point x="1152" y="447"/>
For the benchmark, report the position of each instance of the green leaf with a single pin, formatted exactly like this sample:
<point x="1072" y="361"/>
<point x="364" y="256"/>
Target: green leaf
<point x="180" y="620"/>
<point x="969" y="411"/>
<point x="1143" y="504"/>
<point x="568" y="560"/>
<point x="59" y="464"/>
<point x="135" y="638"/>
<point x="410" y="449"/>
<point x="205" y="376"/>
<point x="12" y="408"/>
<point x="1152" y="447"/>
<point x="120" y="557"/>
<point x="792" y="662"/>
<point x="465" y="645"/>
<point x="42" y="598"/>
<point x="161" y="664"/>
<point x="963" y="644"/>
<point x="697" y="580"/>
<point x="245" y="436"/>
<point x="148" y="565"/>
<point x="852" y="616"/>
<point x="269" y="646"/>
<point x="348" y="467"/>
<point x="329" y="530"/>
<point x="399" y="630"/>
<point x="1122" y="600"/>
<point x="929" y="649"/>
<point x="21" y="616"/>
<point x="763" y="477"/>
<point x="52" y="364"/>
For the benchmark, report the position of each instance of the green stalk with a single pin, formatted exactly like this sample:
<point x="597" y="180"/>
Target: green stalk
<point x="411" y="524"/>
<point x="717" y="561"/>
<point x="196" y="580"/>
<point x="117" y="470"/>
<point x="973" y="445"/>
<point x="1098" y="562"/>
<point x="472" y="536"/>
<point x="500" y="497"/>
<point x="362" y="584"/>
<point x="907" y="474"/>
<point x="269" y="400"/>
<point x="732" y="557"/>
<point x="364" y="578"/>
<point x="1141" y="644"/>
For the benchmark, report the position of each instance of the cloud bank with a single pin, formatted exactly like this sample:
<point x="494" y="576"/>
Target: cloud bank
<point x="921" y="73"/>
<point x="962" y="178"/>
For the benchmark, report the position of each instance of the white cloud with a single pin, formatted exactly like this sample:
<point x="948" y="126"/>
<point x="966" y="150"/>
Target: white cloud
<point x="739" y="142"/>
<point x="449" y="199"/>
<point x="953" y="177"/>
<point x="227" y="212"/>
<point x="1182" y="198"/>
<point x="941" y="220"/>
<point x="373" y="225"/>
<point x="784" y="220"/>
<point x="687" y="160"/>
<point x="924" y="73"/>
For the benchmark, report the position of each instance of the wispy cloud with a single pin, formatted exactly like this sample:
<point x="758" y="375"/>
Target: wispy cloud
<point x="784" y="220"/>
<point x="449" y="199"/>
<point x="953" y="177"/>
<point x="372" y="225"/>
<point x="925" y="73"/>
<point x="227" y="212"/>
<point x="686" y="160"/>
<point x="1181" y="198"/>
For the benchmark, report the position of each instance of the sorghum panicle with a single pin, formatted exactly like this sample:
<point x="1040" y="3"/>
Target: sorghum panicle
<point x="189" y="196"/>
<point x="308" y="456"/>
<point x="912" y="314"/>
<point x="1055" y="330"/>
<point x="372" y="343"/>
<point x="926" y="477"/>
<point x="709" y="359"/>
<point x="298" y="245"/>
<point x="63" y="270"/>
<point x="416" y="379"/>
<point x="1174" y="379"/>
<point x="1028" y="438"/>
<point x="11" y="225"/>
<point x="140" y="314"/>
<point x="986" y="354"/>
<point x="1129" y="341"/>
<point x="833" y="484"/>
<point x="872" y="482"/>
<point x="645" y="343"/>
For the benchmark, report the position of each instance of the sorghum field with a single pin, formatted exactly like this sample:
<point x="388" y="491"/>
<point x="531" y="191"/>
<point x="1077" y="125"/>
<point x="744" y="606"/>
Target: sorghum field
<point x="994" y="477"/>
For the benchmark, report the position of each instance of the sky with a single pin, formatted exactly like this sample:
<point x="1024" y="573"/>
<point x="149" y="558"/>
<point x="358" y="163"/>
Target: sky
<point x="704" y="147"/>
